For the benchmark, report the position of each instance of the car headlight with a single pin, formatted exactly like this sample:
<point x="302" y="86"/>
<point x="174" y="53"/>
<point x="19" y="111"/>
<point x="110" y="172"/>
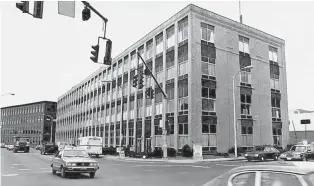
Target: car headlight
<point x="70" y="164"/>
<point x="256" y="154"/>
<point x="245" y="154"/>
<point x="93" y="164"/>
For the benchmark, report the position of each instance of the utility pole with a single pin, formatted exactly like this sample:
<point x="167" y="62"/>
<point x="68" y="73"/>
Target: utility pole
<point x="164" y="131"/>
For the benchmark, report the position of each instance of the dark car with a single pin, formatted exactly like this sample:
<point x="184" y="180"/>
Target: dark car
<point x="299" y="152"/>
<point x="265" y="175"/>
<point x="262" y="153"/>
<point x="49" y="148"/>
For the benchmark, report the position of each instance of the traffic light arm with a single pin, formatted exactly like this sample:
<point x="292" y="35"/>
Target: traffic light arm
<point x="150" y="73"/>
<point x="96" y="12"/>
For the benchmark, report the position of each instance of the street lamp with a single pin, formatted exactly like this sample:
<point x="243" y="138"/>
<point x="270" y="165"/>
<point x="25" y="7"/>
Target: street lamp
<point x="11" y="94"/>
<point x="234" y="110"/>
<point x="122" y="99"/>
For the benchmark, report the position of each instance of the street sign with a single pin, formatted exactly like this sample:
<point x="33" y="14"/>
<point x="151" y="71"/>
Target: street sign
<point x="305" y="121"/>
<point x="66" y="8"/>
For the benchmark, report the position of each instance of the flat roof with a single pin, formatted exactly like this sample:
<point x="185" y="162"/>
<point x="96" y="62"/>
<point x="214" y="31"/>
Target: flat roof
<point x="27" y="104"/>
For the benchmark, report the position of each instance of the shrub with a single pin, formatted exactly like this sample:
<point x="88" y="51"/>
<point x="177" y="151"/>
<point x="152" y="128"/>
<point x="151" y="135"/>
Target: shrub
<point x="171" y="152"/>
<point x="187" y="151"/>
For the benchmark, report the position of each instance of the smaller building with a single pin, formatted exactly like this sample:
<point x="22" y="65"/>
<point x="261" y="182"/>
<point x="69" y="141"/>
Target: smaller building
<point x="301" y="125"/>
<point x="34" y="120"/>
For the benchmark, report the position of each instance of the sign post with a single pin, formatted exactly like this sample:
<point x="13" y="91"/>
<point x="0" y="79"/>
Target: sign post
<point x="305" y="122"/>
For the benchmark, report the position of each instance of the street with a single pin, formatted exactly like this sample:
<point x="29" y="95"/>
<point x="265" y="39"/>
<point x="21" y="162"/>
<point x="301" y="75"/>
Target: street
<point x="32" y="169"/>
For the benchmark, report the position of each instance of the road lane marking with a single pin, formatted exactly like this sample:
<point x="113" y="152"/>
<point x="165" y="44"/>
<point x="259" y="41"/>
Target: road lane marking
<point x="44" y="168"/>
<point x="16" y="164"/>
<point x="201" y="167"/>
<point x="10" y="175"/>
<point x="230" y="165"/>
<point x="24" y="169"/>
<point x="149" y="170"/>
<point x="183" y="172"/>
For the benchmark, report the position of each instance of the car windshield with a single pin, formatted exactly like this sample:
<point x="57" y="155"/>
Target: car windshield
<point x="298" y="148"/>
<point x="22" y="139"/>
<point x="75" y="153"/>
<point x="259" y="148"/>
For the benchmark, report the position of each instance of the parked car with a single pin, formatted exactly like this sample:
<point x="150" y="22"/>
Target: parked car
<point x="269" y="175"/>
<point x="262" y="153"/>
<point x="38" y="147"/>
<point x="299" y="152"/>
<point x="49" y="148"/>
<point x="2" y="145"/>
<point x="74" y="161"/>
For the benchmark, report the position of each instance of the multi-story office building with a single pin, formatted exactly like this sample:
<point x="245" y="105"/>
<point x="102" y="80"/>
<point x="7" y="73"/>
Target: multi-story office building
<point x="194" y="55"/>
<point x="34" y="120"/>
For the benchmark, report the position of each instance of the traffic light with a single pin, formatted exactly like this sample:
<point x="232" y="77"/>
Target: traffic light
<point x="148" y="93"/>
<point x="146" y="72"/>
<point x="38" y="9"/>
<point x="135" y="80"/>
<point x="86" y="14"/>
<point x="167" y="124"/>
<point x="107" y="58"/>
<point x="152" y="95"/>
<point x="95" y="53"/>
<point x="141" y="81"/>
<point x="23" y="6"/>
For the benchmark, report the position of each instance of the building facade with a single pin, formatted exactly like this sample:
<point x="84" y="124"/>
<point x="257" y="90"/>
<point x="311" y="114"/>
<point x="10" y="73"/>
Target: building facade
<point x="194" y="56"/>
<point x="34" y="120"/>
<point x="301" y="125"/>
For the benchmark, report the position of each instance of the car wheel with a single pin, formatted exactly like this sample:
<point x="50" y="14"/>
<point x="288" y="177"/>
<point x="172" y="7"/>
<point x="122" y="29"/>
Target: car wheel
<point x="262" y="158"/>
<point x="92" y="174"/>
<point x="249" y="159"/>
<point x="63" y="173"/>
<point x="54" y="172"/>
<point x="97" y="155"/>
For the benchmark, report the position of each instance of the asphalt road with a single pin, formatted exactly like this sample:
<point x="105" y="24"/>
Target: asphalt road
<point x="33" y="169"/>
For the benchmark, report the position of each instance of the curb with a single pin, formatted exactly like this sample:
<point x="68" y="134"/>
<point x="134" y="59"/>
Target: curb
<point x="173" y="160"/>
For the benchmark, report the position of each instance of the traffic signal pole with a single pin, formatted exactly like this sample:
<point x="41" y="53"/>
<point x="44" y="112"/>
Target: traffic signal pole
<point x="99" y="14"/>
<point x="164" y="131"/>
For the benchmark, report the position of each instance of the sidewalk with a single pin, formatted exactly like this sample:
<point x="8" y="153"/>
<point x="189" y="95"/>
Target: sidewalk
<point x="171" y="160"/>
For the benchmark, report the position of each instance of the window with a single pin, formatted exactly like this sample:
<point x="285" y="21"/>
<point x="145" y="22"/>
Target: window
<point x="275" y="104"/>
<point x="209" y="125"/>
<point x="246" y="77"/>
<point x="274" y="84"/>
<point x="120" y="68"/>
<point x="244" y="179"/>
<point x="149" y="110"/>
<point x="183" y="88"/>
<point x="170" y="37"/>
<point x="272" y="178"/>
<point x="244" y="45"/>
<point x="207" y="32"/>
<point x="208" y="99"/>
<point x="183" y="68"/>
<point x="133" y="60"/>
<point x="159" y="77"/>
<point x="208" y="69"/>
<point x="126" y="64"/>
<point x="246" y="104"/>
<point x="183" y="30"/>
<point x="159" y="44"/>
<point x="158" y="109"/>
<point x="141" y="52"/>
<point x="149" y="49"/>
<point x="273" y="54"/>
<point x="171" y="72"/>
<point x="183" y="53"/>
<point x="170" y="106"/>
<point x="183" y="129"/>
<point x="183" y="104"/>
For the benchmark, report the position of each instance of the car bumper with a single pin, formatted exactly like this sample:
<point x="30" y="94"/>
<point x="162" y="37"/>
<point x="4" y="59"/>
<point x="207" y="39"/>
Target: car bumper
<point x="81" y="169"/>
<point x="291" y="158"/>
<point x="252" y="157"/>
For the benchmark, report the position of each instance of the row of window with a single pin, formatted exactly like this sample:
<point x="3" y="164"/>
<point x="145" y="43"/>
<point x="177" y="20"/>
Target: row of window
<point x="170" y="41"/>
<point x="22" y="110"/>
<point x="25" y="130"/>
<point x="22" y="120"/>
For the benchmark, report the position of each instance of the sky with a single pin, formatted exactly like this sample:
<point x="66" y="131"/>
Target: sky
<point x="41" y="59"/>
